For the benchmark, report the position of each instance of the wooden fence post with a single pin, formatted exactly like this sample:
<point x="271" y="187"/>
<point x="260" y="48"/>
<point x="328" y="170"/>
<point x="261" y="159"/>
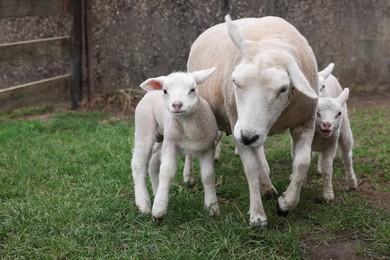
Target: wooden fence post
<point x="89" y="49"/>
<point x="76" y="52"/>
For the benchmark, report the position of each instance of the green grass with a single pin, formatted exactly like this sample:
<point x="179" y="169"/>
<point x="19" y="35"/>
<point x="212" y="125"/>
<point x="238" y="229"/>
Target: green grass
<point x="66" y="193"/>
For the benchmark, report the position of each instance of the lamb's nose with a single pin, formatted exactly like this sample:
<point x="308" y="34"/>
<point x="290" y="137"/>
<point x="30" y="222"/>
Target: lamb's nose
<point x="177" y="105"/>
<point x="248" y="140"/>
<point x="327" y="124"/>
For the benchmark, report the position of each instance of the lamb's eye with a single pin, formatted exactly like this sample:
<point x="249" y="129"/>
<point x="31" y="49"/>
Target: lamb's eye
<point x="339" y="114"/>
<point x="318" y="114"/>
<point x="165" y="91"/>
<point x="283" y="89"/>
<point x="192" y="91"/>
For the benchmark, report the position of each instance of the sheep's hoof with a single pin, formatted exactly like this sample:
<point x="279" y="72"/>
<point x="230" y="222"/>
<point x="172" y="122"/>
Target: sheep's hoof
<point x="157" y="221"/>
<point x="190" y="184"/>
<point x="270" y="194"/>
<point x="352" y="184"/>
<point x="281" y="213"/>
<point x="258" y="225"/>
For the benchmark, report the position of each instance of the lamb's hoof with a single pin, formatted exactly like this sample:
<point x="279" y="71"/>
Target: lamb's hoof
<point x="328" y="199"/>
<point x="352" y="184"/>
<point x="157" y="221"/>
<point x="144" y="209"/>
<point x="258" y="225"/>
<point x="190" y="184"/>
<point x="281" y="213"/>
<point x="271" y="194"/>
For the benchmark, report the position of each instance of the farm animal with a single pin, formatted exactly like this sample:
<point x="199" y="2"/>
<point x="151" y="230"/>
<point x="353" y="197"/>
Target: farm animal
<point x="172" y="119"/>
<point x="332" y="129"/>
<point x="266" y="82"/>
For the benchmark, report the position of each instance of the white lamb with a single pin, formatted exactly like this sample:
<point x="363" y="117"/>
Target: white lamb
<point x="168" y="122"/>
<point x="332" y="128"/>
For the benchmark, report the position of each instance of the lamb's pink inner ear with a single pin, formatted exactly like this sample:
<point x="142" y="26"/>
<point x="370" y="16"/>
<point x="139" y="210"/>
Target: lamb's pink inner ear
<point x="155" y="85"/>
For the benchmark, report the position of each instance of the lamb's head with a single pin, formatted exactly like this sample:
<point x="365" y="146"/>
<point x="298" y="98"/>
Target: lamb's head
<point x="179" y="89"/>
<point x="329" y="113"/>
<point x="263" y="82"/>
<point x="323" y="75"/>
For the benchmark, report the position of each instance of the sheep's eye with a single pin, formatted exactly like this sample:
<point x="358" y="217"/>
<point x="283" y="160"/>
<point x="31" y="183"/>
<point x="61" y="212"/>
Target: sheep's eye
<point x="192" y="90"/>
<point x="165" y="91"/>
<point x="339" y="113"/>
<point x="234" y="83"/>
<point x="283" y="89"/>
<point x="318" y="114"/>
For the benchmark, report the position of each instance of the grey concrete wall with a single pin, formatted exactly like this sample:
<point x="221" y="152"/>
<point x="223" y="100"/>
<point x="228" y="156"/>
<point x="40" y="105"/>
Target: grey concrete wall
<point x="137" y="39"/>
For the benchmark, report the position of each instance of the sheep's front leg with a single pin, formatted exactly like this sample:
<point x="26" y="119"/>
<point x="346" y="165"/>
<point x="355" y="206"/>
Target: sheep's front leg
<point x="154" y="166"/>
<point x="139" y="165"/>
<point x="252" y="168"/>
<point x="302" y="138"/>
<point x="206" y="162"/>
<point x="346" y="143"/>
<point x="188" y="172"/>
<point x="327" y="173"/>
<point x="168" y="167"/>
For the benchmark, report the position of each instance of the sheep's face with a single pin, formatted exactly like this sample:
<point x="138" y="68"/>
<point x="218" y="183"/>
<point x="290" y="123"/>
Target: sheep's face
<point x="329" y="117"/>
<point x="262" y="84"/>
<point x="261" y="96"/>
<point x="330" y="113"/>
<point x="180" y="93"/>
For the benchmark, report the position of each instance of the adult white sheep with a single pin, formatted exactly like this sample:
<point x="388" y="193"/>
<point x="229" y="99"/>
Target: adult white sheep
<point x="332" y="128"/>
<point x="266" y="82"/>
<point x="184" y="123"/>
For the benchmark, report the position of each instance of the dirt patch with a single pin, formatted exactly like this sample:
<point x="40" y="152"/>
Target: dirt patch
<point x="339" y="249"/>
<point x="378" y="199"/>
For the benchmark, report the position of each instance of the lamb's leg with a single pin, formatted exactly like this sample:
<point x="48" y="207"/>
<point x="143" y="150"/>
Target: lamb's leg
<point x="346" y="144"/>
<point x="252" y="167"/>
<point x="301" y="138"/>
<point x="139" y="165"/>
<point x="218" y="142"/>
<point x="327" y="173"/>
<point x="319" y="163"/>
<point x="154" y="166"/>
<point x="188" y="171"/>
<point x="206" y="162"/>
<point x="168" y="168"/>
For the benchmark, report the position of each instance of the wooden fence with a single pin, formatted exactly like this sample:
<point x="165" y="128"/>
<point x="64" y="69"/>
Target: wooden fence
<point x="51" y="89"/>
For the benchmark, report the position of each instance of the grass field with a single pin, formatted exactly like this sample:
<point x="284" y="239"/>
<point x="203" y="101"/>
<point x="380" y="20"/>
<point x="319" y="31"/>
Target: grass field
<point x="66" y="193"/>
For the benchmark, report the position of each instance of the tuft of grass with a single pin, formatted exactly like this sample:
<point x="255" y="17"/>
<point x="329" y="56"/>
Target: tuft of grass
<point x="66" y="192"/>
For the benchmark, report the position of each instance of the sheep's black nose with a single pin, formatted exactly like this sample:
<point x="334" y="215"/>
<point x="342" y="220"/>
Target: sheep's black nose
<point x="248" y="140"/>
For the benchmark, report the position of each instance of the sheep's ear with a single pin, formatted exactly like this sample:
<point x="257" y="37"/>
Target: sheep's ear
<point x="235" y="34"/>
<point x="343" y="97"/>
<point x="324" y="74"/>
<point x="202" y="75"/>
<point x="327" y="71"/>
<point x="299" y="80"/>
<point x="153" y="83"/>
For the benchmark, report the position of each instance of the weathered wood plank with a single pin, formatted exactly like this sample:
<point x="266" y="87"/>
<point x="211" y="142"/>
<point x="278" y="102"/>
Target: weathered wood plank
<point x="76" y="53"/>
<point x="34" y="51"/>
<point x="35" y="93"/>
<point x="20" y="8"/>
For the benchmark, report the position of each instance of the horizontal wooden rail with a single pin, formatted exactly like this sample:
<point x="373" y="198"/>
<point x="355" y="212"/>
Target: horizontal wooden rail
<point x="21" y="8"/>
<point x="35" y="51"/>
<point x="43" y="91"/>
